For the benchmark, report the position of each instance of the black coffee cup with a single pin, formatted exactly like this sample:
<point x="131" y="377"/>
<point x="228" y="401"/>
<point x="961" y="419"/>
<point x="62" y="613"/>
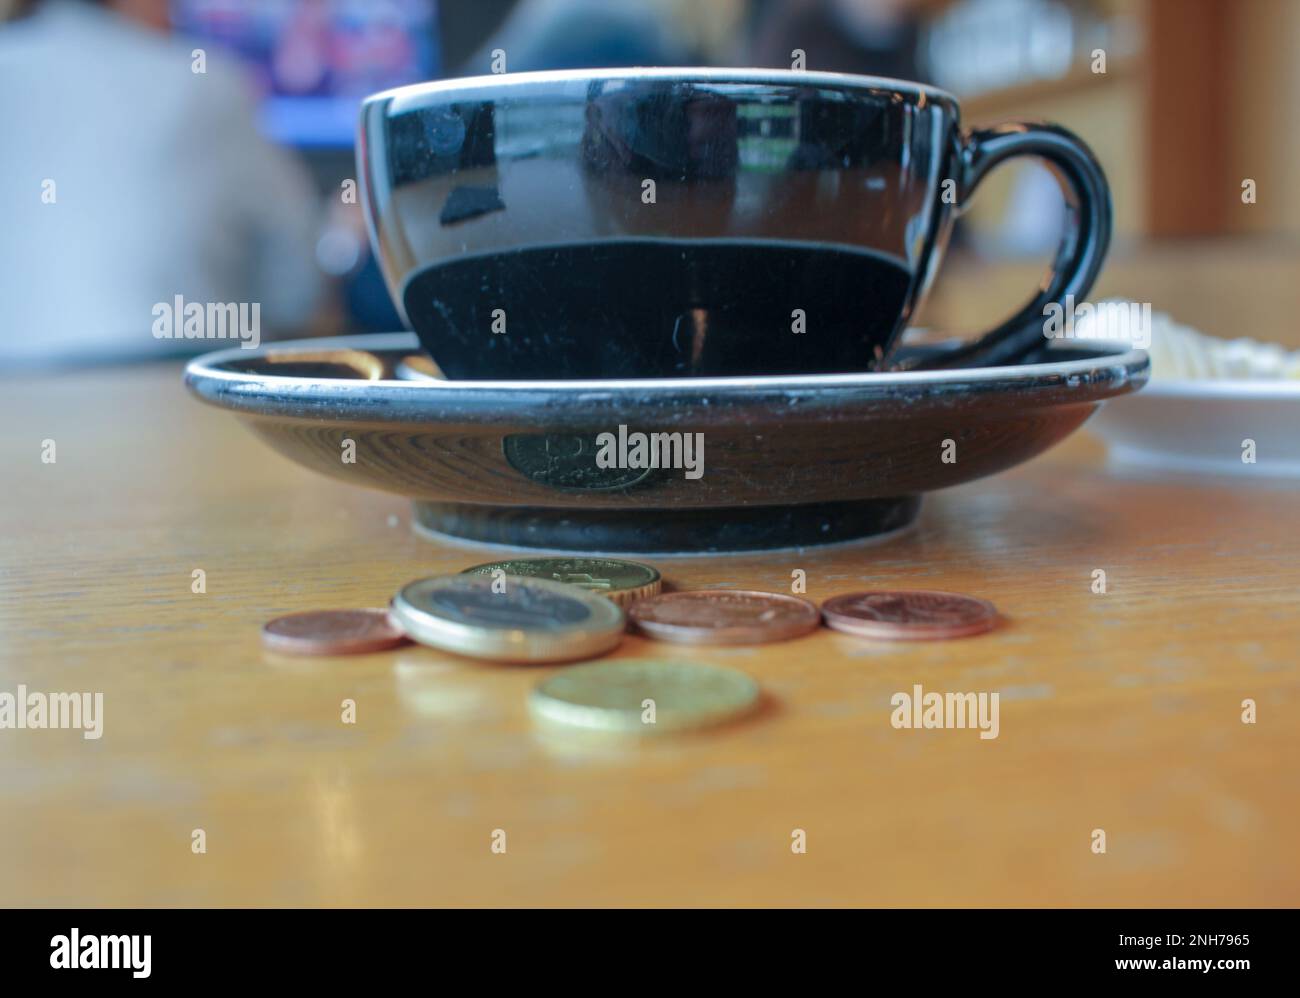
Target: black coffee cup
<point x="661" y="223"/>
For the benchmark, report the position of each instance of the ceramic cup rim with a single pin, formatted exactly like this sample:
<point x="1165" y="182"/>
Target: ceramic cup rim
<point x="410" y="97"/>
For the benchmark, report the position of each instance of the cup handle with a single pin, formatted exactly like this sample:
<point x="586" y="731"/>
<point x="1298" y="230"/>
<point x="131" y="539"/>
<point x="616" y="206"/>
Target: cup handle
<point x="1083" y="244"/>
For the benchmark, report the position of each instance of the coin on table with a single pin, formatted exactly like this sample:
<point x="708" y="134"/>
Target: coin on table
<point x="724" y="617"/>
<point x="508" y="618"/>
<point x="643" y="697"/>
<point x="622" y="581"/>
<point x="904" y="615"/>
<point x="332" y="632"/>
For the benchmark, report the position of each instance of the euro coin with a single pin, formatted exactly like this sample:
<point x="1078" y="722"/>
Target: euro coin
<point x="724" y="617"/>
<point x="622" y="581"/>
<point x="508" y="618"/>
<point x="909" y="614"/>
<point x="332" y="632"/>
<point x="643" y="697"/>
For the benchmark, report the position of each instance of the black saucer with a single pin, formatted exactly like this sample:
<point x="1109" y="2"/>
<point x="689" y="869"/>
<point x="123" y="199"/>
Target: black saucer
<point x="787" y="461"/>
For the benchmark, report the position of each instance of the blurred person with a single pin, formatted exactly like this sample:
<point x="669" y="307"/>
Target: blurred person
<point x="595" y="34"/>
<point x="129" y="179"/>
<point x="869" y="37"/>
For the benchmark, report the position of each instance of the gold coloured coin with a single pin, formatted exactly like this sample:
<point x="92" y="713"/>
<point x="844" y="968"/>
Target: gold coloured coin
<point x="509" y="618"/>
<point x="622" y="581"/>
<point x="636" y="696"/>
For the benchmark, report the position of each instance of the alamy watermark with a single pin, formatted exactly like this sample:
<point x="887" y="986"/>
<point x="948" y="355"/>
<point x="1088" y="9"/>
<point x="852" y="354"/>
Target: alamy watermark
<point x="642" y="451"/>
<point x="1126" y="321"/>
<point x="919" y="709"/>
<point x="214" y="320"/>
<point x="84" y="711"/>
<point x="102" y="952"/>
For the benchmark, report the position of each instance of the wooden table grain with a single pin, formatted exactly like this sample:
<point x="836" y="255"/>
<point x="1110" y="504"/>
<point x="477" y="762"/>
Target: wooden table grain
<point x="1120" y="711"/>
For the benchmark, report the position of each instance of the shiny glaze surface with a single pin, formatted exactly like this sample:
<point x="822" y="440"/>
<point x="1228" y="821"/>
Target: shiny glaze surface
<point x="767" y="441"/>
<point x="486" y="197"/>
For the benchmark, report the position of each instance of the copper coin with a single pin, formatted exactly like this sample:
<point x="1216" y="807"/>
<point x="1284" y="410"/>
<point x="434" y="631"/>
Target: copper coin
<point x="908" y="615"/>
<point x="724" y="617"/>
<point x="332" y="632"/>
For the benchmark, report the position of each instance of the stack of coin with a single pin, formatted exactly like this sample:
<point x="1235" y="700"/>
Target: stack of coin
<point x="508" y="618"/>
<point x="562" y="609"/>
<point x="622" y="581"/>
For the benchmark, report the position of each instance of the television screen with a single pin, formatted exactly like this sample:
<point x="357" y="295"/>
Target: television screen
<point x="314" y="60"/>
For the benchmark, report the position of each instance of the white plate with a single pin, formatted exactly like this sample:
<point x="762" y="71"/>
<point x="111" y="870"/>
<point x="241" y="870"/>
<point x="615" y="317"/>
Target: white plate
<point x="1204" y="426"/>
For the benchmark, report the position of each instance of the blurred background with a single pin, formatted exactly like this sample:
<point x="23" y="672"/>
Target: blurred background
<point x="204" y="147"/>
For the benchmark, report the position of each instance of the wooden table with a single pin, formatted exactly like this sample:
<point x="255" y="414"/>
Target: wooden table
<point x="1119" y="711"/>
